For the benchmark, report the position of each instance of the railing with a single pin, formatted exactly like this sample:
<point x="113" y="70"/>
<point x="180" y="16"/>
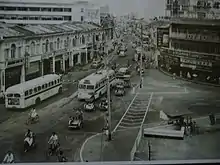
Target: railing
<point x="140" y="133"/>
<point x="136" y="143"/>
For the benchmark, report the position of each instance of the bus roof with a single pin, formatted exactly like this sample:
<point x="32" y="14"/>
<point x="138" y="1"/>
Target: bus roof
<point x="95" y="77"/>
<point x="32" y="83"/>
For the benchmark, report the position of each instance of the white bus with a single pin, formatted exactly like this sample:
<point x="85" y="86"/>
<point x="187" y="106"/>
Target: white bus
<point x="33" y="92"/>
<point x="95" y="85"/>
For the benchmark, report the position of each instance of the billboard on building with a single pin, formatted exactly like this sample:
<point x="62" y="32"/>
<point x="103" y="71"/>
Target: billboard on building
<point x="163" y="37"/>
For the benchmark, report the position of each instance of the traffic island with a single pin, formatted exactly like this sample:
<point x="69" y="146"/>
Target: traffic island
<point x="97" y="148"/>
<point x="169" y="131"/>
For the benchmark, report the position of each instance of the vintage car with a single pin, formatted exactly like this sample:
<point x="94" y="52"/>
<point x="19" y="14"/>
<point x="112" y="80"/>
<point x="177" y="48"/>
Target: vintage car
<point x="122" y="53"/>
<point x="76" y="121"/>
<point x="123" y="71"/>
<point x="96" y="64"/>
<point x="119" y="90"/>
<point x="89" y="106"/>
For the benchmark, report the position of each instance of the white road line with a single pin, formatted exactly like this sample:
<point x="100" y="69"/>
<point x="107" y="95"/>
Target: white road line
<point x="83" y="146"/>
<point x="185" y="90"/>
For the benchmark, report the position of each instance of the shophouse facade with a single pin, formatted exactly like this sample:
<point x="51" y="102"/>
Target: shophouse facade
<point x="30" y="51"/>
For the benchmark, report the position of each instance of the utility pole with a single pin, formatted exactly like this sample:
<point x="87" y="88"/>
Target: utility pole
<point x="141" y="60"/>
<point x="108" y="94"/>
<point x="109" y="99"/>
<point x="149" y="151"/>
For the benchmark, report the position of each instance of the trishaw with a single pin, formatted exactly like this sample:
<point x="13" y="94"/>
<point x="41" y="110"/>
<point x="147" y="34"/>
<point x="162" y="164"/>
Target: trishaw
<point x="103" y="105"/>
<point x="76" y="121"/>
<point x="89" y="106"/>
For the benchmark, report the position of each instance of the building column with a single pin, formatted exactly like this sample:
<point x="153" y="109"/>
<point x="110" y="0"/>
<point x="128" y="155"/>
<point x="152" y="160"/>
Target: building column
<point x="22" y="77"/>
<point x="42" y="67"/>
<point x="79" y="58"/>
<point x="86" y="56"/>
<point x="64" y="62"/>
<point x="71" y="59"/>
<point x="53" y="62"/>
<point x="3" y="80"/>
<point x="92" y="53"/>
<point x="170" y="31"/>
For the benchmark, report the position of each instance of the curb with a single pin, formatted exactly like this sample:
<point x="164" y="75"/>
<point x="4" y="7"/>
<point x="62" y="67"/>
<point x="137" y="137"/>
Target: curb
<point x="193" y="81"/>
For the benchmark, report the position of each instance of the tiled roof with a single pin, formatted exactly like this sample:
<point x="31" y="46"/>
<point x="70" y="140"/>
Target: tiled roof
<point x="9" y="30"/>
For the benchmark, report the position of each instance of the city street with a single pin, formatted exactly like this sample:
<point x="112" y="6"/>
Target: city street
<point x="174" y="97"/>
<point x="54" y="114"/>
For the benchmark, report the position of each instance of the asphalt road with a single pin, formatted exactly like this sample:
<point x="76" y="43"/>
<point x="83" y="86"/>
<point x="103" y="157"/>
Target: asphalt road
<point x="54" y="117"/>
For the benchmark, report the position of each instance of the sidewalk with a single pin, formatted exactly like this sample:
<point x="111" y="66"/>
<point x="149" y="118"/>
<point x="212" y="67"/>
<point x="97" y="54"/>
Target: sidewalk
<point x="98" y="149"/>
<point x="193" y="81"/>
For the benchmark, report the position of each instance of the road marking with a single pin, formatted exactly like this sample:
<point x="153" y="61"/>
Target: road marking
<point x="83" y="145"/>
<point x="148" y="106"/>
<point x="186" y="91"/>
<point x="125" y="113"/>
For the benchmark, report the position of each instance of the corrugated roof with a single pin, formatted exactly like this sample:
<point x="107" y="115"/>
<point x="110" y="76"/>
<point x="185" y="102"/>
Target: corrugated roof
<point x="9" y="30"/>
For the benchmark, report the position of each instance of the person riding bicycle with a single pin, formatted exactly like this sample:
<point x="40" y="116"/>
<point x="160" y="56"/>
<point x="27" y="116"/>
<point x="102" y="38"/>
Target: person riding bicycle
<point x="53" y="141"/>
<point x="9" y="158"/>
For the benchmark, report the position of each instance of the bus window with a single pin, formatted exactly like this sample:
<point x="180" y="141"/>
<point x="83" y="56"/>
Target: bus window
<point x="9" y="95"/>
<point x="30" y="91"/>
<point x="46" y="85"/>
<point x="43" y="86"/>
<point x="35" y="89"/>
<point x="17" y="95"/>
<point x="90" y="87"/>
<point x="39" y="88"/>
<point x="26" y="93"/>
<point x="58" y="80"/>
<point x="52" y="83"/>
<point x="55" y="82"/>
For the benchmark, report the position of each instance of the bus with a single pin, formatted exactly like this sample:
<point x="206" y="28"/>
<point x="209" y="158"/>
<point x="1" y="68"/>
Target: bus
<point x="32" y="92"/>
<point x="95" y="85"/>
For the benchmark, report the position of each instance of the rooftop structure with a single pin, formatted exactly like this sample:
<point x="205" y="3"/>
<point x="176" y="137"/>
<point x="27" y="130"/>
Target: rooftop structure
<point x="47" y="12"/>
<point x="12" y="30"/>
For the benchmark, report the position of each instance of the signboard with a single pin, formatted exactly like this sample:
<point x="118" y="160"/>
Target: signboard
<point x="27" y="60"/>
<point x="196" y="64"/>
<point x="33" y="68"/>
<point x="163" y="37"/>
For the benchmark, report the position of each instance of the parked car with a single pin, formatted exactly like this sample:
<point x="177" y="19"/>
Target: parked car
<point x="96" y="64"/>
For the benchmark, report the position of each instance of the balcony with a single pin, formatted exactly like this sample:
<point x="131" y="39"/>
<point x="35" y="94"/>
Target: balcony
<point x="184" y="53"/>
<point x="196" y="37"/>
